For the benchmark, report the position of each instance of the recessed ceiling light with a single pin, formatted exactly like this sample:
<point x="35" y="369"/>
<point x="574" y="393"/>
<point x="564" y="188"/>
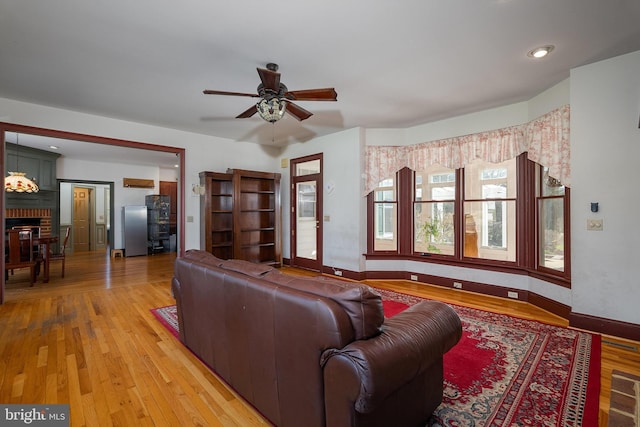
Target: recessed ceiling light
<point x="540" y="52"/>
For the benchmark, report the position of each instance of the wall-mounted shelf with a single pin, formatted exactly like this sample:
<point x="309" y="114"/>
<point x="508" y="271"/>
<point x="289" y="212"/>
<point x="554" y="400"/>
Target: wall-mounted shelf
<point x="138" y="183"/>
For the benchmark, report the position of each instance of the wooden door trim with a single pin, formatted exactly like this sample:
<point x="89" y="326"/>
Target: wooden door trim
<point x="319" y="211"/>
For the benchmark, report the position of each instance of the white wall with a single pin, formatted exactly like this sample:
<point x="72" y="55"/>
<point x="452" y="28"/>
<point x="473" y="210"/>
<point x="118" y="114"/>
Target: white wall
<point x="343" y="235"/>
<point x="605" y="151"/>
<point x="111" y="172"/>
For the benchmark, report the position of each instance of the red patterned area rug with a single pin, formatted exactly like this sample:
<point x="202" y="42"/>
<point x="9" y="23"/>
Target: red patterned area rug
<point x="505" y="371"/>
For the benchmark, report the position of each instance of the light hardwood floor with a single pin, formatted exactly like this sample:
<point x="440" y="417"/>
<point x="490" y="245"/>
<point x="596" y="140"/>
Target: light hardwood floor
<point x="90" y="340"/>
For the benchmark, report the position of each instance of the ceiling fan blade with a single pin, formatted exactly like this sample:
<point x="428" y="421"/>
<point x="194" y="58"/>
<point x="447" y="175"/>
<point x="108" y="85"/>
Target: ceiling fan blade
<point x="248" y="113"/>
<point x="222" y="92"/>
<point x="297" y="111"/>
<point x="325" y="94"/>
<point x="270" y="79"/>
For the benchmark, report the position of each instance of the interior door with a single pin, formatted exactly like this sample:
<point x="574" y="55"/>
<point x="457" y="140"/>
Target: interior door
<point x="306" y="212"/>
<point x="81" y="219"/>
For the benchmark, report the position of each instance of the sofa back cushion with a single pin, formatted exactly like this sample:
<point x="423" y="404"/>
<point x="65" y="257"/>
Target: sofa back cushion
<point x="239" y="266"/>
<point x="361" y="303"/>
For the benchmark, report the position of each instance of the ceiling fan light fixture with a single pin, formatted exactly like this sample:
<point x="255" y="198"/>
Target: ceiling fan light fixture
<point x="271" y="110"/>
<point x="540" y="52"/>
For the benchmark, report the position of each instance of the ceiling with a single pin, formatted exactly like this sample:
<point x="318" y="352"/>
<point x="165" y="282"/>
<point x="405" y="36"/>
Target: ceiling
<point x="148" y="61"/>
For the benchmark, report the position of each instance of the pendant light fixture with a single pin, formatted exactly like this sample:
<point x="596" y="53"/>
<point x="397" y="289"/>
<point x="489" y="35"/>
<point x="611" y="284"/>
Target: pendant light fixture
<point x="17" y="182"/>
<point x="271" y="110"/>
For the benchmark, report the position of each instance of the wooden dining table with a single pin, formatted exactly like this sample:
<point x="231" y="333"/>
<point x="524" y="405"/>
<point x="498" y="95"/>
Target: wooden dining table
<point x="44" y="242"/>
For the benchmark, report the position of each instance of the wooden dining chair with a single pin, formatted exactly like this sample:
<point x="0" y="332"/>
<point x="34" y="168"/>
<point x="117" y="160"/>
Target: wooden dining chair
<point x="60" y="256"/>
<point x="20" y="253"/>
<point x="36" y="231"/>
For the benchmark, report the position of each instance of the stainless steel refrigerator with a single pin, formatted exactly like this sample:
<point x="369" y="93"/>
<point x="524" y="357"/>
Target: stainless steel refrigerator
<point x="135" y="230"/>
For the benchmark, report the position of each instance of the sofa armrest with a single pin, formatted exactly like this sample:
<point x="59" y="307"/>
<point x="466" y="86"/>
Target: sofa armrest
<point x="367" y="371"/>
<point x="176" y="291"/>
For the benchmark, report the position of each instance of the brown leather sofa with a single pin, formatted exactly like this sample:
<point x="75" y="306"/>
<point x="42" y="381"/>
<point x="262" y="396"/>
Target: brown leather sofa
<point x="316" y="351"/>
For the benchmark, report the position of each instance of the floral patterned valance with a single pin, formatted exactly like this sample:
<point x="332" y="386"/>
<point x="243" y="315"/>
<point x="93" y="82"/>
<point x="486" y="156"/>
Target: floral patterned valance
<point x="546" y="139"/>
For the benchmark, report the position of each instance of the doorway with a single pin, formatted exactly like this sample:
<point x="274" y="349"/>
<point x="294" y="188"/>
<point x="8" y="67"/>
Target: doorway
<point x="102" y="142"/>
<point x="306" y="212"/>
<point x="82" y="214"/>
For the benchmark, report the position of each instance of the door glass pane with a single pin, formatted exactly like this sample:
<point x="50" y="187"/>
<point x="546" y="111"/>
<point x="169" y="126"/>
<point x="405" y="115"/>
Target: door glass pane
<point x="307" y="221"/>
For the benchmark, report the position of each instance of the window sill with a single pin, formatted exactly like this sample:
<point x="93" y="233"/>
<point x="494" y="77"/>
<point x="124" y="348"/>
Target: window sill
<point x="503" y="267"/>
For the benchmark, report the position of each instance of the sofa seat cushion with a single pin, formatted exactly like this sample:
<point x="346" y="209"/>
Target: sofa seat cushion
<point x="361" y="303"/>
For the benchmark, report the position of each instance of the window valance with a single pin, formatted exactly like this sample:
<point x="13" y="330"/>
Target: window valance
<point x="546" y="139"/>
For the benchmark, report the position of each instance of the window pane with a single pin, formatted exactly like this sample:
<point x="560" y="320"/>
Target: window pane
<point x="308" y="168"/>
<point x="490" y="230"/>
<point x="434" y="228"/>
<point x="485" y="180"/>
<point x="385" y="217"/>
<point x="385" y="195"/>
<point x="552" y="233"/>
<point x="490" y="210"/>
<point x="434" y="201"/>
<point x="551" y="186"/>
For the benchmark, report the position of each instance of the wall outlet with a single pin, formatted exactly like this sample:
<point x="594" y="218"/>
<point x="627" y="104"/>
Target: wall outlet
<point x="512" y="294"/>
<point x="338" y="272"/>
<point x="414" y="277"/>
<point x="457" y="285"/>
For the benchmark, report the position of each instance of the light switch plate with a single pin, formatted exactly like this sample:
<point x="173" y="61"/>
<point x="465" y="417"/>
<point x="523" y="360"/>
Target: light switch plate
<point x="594" y="225"/>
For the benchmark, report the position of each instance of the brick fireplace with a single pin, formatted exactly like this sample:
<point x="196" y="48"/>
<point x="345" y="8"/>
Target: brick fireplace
<point x="29" y="216"/>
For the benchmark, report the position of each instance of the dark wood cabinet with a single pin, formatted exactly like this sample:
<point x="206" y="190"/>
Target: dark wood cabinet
<point x="240" y="214"/>
<point x="170" y="188"/>
<point x="158" y="223"/>
<point x="216" y="214"/>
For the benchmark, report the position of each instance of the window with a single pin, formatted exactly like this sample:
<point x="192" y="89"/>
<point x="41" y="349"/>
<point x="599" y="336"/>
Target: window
<point x="508" y="215"/>
<point x="433" y="211"/>
<point x="489" y="207"/>
<point x="551" y="221"/>
<point x="385" y="217"/>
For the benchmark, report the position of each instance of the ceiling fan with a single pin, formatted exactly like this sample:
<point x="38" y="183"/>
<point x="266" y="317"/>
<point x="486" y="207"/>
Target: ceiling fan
<point x="277" y="99"/>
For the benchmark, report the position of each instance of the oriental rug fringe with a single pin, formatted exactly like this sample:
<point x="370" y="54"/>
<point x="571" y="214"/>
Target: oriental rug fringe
<point x="505" y="371"/>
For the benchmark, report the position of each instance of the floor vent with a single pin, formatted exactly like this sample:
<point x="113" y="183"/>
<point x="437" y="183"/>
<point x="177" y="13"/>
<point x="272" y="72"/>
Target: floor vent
<point x="620" y="345"/>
